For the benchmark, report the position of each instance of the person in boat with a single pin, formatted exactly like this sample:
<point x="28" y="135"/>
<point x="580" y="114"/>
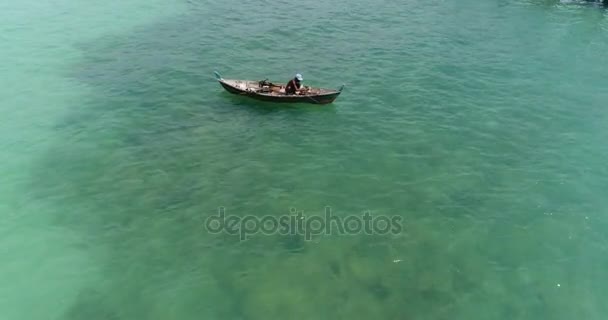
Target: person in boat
<point x="295" y="85"/>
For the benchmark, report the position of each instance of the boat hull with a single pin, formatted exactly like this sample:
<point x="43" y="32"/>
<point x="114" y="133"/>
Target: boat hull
<point x="249" y="89"/>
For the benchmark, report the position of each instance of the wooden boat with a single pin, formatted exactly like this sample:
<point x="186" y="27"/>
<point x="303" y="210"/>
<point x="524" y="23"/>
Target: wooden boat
<point x="268" y="91"/>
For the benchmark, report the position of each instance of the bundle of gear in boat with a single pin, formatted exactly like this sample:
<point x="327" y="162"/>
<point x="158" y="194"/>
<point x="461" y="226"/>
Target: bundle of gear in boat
<point x="265" y="86"/>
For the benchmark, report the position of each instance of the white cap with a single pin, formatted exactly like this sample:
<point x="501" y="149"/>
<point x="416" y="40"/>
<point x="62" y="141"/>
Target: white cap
<point x="299" y="77"/>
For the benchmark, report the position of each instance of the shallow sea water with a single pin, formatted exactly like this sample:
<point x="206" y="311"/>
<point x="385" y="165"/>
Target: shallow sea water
<point x="481" y="124"/>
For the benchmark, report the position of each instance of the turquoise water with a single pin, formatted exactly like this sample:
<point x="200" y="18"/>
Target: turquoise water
<point x="481" y="124"/>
